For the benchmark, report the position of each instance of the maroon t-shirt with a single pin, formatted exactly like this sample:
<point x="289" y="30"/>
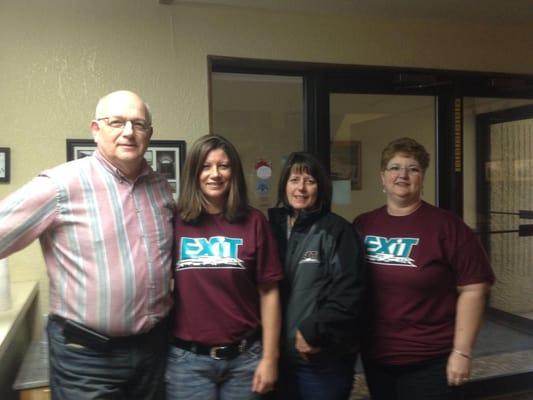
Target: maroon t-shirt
<point x="417" y="261"/>
<point x="218" y="269"/>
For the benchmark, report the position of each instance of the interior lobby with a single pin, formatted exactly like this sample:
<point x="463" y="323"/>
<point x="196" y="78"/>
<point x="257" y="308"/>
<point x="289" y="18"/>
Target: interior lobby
<point x="334" y="77"/>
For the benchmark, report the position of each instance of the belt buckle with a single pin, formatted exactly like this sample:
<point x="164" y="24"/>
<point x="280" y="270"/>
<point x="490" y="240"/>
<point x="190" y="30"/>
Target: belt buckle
<point x="213" y="352"/>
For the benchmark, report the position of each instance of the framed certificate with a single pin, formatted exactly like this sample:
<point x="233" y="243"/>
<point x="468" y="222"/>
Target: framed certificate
<point x="4" y="165"/>
<point x="346" y="162"/>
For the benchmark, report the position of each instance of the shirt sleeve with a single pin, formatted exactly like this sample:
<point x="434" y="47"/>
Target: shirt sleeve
<point x="268" y="263"/>
<point x="470" y="262"/>
<point x="26" y="214"/>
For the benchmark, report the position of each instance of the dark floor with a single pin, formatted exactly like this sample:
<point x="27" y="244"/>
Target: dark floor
<point x="502" y="351"/>
<point x="518" y="396"/>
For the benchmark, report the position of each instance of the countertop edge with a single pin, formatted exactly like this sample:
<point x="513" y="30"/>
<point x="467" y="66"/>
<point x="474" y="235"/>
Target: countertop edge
<point x="22" y="294"/>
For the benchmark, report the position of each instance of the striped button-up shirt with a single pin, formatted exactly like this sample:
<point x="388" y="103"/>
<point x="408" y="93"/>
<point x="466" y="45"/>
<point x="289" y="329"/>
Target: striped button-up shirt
<point x="107" y="242"/>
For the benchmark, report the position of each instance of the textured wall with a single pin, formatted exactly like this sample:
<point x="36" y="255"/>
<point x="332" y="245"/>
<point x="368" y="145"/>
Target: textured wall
<point x="511" y="190"/>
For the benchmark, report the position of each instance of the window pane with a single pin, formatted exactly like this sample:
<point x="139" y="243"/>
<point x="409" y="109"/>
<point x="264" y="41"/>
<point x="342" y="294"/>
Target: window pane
<point x="361" y="125"/>
<point x="262" y="116"/>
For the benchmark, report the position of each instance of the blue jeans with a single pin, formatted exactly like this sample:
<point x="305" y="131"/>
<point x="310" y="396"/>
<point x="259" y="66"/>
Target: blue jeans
<point x="121" y="373"/>
<point x="317" y="380"/>
<point x="198" y="377"/>
<point x="418" y="381"/>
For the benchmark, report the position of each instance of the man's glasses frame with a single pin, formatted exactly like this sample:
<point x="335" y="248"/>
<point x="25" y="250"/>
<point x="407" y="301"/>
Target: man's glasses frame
<point x="117" y="123"/>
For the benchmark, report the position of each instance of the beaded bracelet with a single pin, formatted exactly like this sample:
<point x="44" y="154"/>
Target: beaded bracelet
<point x="462" y="354"/>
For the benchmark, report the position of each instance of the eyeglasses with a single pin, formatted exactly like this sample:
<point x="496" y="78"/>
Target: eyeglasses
<point x="116" y="123"/>
<point x="411" y="170"/>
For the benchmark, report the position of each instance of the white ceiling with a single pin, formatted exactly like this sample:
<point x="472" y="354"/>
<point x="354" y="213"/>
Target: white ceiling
<point x="493" y="11"/>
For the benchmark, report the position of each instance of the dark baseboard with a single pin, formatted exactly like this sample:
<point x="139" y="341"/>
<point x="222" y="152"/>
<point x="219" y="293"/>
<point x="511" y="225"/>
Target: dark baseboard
<point x="521" y="324"/>
<point x="500" y="385"/>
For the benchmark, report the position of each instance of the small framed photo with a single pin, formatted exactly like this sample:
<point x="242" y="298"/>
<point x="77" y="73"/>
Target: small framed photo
<point x="346" y="162"/>
<point x="5" y="168"/>
<point x="79" y="148"/>
<point x="164" y="156"/>
<point x="167" y="158"/>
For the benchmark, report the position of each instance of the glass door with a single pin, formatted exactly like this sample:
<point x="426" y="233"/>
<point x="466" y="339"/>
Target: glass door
<point x="262" y="115"/>
<point x="360" y="127"/>
<point x="506" y="205"/>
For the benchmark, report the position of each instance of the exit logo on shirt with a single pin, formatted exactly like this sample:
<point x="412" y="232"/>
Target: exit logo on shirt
<point x="390" y="251"/>
<point x="213" y="252"/>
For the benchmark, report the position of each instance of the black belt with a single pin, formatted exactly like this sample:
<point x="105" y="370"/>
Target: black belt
<point x="226" y="352"/>
<point x="80" y="334"/>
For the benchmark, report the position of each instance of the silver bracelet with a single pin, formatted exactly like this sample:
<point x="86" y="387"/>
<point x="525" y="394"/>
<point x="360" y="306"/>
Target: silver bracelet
<point x="462" y="354"/>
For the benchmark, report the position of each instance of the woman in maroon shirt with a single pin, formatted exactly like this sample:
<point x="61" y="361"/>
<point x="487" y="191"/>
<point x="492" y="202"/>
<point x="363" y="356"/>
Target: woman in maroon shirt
<point x="429" y="278"/>
<point x="227" y="312"/>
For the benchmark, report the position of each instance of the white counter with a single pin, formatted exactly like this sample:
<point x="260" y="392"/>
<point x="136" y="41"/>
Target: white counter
<point x="22" y="295"/>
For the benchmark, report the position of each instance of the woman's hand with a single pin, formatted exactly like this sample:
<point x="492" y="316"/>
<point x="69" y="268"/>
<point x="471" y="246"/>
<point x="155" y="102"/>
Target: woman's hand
<point x="266" y="372"/>
<point x="265" y="376"/>
<point x="458" y="369"/>
<point x="470" y="306"/>
<point x="304" y="348"/>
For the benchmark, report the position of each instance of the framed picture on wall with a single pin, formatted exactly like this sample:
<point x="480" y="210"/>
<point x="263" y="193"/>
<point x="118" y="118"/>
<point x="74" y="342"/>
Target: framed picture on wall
<point x="164" y="156"/>
<point x="346" y="162"/>
<point x="79" y="148"/>
<point x="4" y="164"/>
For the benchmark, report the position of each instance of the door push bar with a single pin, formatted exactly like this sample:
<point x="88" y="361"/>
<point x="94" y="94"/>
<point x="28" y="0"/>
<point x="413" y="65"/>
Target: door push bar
<point x="523" y="229"/>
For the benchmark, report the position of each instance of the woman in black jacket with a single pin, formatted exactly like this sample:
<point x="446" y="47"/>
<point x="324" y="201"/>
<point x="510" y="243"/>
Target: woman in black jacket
<point x="324" y="287"/>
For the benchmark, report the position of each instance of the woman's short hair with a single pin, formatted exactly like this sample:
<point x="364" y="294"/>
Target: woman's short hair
<point x="192" y="201"/>
<point x="302" y="162"/>
<point x="408" y="147"/>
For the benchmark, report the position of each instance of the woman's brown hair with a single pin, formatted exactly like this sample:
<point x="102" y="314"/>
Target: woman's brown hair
<point x="408" y="147"/>
<point x="192" y="202"/>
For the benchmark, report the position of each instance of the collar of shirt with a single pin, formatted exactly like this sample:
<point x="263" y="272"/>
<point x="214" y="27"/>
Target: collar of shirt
<point x="145" y="168"/>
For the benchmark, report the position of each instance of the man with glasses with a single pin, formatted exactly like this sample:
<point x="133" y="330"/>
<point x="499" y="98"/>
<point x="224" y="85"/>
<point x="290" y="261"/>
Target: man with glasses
<point x="105" y="227"/>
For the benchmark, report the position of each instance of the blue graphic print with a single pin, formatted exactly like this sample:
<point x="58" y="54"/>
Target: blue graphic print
<point x="390" y="251"/>
<point x="213" y="252"/>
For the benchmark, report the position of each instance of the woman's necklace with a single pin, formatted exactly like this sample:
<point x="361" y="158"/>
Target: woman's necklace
<point x="403" y="212"/>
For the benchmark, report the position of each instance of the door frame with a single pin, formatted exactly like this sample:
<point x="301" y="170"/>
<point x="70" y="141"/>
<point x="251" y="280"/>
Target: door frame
<point x="447" y="86"/>
<point x="483" y="123"/>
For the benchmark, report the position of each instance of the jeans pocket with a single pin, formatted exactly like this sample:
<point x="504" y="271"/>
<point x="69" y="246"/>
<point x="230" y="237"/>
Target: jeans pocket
<point x="255" y="350"/>
<point x="177" y="354"/>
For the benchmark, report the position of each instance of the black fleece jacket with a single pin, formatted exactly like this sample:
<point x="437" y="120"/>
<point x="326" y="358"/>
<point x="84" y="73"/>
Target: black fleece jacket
<point x="324" y="290"/>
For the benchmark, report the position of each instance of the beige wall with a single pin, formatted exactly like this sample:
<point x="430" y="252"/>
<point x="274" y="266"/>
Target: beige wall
<point x="58" y="56"/>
